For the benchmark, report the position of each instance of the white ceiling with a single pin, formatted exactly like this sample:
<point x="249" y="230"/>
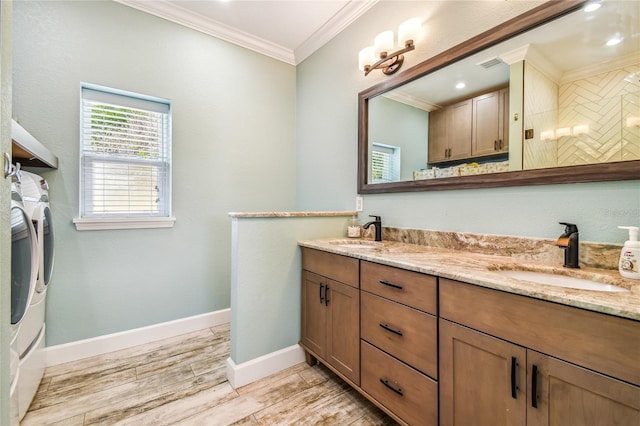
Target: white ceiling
<point x="289" y="30"/>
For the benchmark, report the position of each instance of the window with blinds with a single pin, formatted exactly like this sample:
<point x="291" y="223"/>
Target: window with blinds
<point x="125" y="155"/>
<point x="385" y="163"/>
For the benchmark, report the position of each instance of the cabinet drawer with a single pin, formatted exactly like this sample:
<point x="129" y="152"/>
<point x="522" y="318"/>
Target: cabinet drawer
<point x="339" y="268"/>
<point x="407" y="287"/>
<point x="409" y="394"/>
<point x="406" y="333"/>
<point x="600" y="342"/>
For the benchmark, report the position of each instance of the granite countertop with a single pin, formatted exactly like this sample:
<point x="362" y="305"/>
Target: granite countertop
<point x="480" y="269"/>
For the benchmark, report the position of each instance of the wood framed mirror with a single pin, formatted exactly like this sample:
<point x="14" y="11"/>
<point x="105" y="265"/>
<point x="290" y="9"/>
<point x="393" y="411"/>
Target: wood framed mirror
<point x="522" y="128"/>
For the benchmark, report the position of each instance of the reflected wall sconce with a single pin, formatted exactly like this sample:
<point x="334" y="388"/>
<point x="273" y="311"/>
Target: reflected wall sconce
<point x="378" y="56"/>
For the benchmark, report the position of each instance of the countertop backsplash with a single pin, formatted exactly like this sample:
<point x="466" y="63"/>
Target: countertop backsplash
<point x="592" y="255"/>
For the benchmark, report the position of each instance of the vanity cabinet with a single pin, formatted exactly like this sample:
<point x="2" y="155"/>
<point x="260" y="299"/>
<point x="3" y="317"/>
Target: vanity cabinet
<point x="507" y="359"/>
<point x="399" y="330"/>
<point x="330" y="311"/>
<point x="431" y="350"/>
<point x="476" y="127"/>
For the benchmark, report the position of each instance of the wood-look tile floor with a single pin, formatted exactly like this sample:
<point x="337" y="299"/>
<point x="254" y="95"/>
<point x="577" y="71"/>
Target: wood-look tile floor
<point x="182" y="381"/>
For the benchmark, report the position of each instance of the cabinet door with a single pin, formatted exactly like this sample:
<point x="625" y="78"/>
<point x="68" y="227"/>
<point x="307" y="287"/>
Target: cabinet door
<point x="482" y="378"/>
<point x="343" y="329"/>
<point x="459" y="130"/>
<point x="504" y="120"/>
<point x="314" y="312"/>
<point x="486" y="135"/>
<point x="437" y="145"/>
<point x="567" y="395"/>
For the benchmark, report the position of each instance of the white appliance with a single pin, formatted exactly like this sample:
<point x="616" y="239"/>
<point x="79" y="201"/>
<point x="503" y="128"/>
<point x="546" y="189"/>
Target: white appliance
<point x="24" y="266"/>
<point x="31" y="336"/>
<point x="24" y="270"/>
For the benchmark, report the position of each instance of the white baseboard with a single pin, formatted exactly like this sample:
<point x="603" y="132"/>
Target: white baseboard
<point x="261" y="367"/>
<point x="80" y="349"/>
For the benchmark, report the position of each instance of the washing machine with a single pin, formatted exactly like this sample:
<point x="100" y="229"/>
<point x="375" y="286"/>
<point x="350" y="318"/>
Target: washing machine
<point x="24" y="270"/>
<point x="24" y="256"/>
<point x="35" y="197"/>
<point x="31" y="336"/>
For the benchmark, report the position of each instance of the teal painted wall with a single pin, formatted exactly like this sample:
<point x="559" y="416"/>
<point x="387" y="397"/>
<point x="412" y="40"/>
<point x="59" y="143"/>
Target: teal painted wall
<point x="233" y="150"/>
<point x="328" y="84"/>
<point x="265" y="281"/>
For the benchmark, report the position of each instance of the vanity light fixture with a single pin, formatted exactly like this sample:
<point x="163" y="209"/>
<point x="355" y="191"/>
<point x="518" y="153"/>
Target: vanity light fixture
<point x="378" y="56"/>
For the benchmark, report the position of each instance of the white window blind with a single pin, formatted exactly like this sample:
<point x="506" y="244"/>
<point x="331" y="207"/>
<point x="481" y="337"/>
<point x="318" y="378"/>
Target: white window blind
<point x="125" y="155"/>
<point x="385" y="163"/>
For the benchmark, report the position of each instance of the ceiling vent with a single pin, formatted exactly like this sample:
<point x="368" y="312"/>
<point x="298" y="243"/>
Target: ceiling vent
<point x="490" y="62"/>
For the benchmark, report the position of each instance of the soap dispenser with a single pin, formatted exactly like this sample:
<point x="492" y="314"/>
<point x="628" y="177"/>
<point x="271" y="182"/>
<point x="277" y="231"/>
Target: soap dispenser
<point x="630" y="255"/>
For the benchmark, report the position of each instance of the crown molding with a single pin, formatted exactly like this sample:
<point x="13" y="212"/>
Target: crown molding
<point x="179" y="15"/>
<point x="175" y="13"/>
<point x="408" y="99"/>
<point x="341" y="20"/>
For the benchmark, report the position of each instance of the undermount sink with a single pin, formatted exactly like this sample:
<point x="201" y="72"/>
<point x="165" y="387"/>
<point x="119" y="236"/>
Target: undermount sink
<point x="357" y="244"/>
<point x="558" y="280"/>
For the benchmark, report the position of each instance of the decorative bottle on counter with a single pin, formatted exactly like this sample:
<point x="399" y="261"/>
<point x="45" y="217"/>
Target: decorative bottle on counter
<point x="630" y="255"/>
<point x="354" y="229"/>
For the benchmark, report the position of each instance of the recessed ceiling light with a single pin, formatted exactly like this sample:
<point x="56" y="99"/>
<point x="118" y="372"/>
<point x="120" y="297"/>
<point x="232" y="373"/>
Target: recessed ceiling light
<point x="460" y="85"/>
<point x="593" y="6"/>
<point x="616" y="39"/>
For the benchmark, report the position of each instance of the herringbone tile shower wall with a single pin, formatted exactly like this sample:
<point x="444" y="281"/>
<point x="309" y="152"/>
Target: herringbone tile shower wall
<point x="597" y="104"/>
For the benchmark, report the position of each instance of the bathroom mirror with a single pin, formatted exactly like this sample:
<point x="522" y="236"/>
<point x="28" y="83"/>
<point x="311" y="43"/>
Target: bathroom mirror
<point x="526" y="74"/>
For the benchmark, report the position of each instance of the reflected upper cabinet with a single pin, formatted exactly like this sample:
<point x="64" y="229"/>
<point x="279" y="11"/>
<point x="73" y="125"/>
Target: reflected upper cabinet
<point x="550" y="96"/>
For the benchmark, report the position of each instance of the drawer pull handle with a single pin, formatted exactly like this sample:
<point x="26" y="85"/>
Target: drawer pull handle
<point x="390" y="386"/>
<point x="393" y="330"/>
<point x="388" y="284"/>
<point x="514" y="387"/>
<point x="321" y="295"/>
<point x="534" y="386"/>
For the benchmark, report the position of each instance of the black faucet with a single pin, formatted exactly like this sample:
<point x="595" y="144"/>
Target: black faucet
<point x="568" y="241"/>
<point x="378" y="224"/>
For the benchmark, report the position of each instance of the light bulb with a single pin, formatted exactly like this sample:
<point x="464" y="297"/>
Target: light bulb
<point x="383" y="42"/>
<point x="366" y="57"/>
<point x="409" y="30"/>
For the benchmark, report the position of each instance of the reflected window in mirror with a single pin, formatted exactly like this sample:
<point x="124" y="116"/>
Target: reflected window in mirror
<point x="385" y="163"/>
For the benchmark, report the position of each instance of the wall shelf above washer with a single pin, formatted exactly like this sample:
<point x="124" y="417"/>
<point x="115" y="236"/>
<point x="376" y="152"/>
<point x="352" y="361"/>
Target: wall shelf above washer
<point x="28" y="151"/>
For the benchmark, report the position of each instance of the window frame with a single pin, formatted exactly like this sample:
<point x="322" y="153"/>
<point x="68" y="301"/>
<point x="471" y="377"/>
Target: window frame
<point x="120" y="220"/>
